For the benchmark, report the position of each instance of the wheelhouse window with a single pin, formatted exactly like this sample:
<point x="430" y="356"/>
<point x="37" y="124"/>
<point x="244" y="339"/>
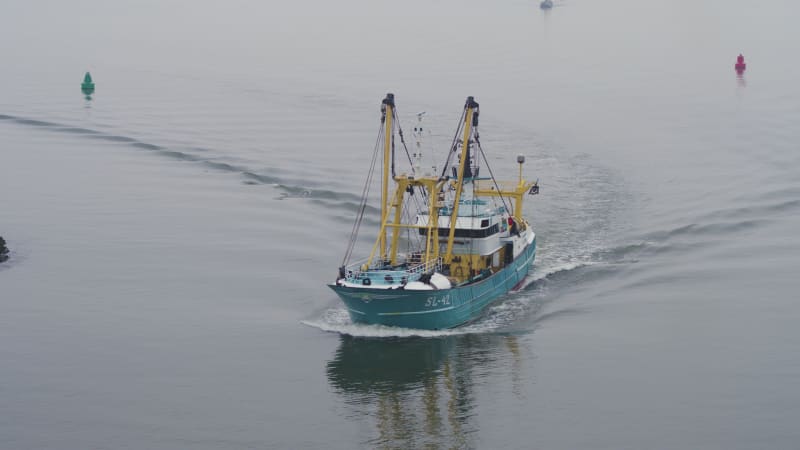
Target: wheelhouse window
<point x="465" y="233"/>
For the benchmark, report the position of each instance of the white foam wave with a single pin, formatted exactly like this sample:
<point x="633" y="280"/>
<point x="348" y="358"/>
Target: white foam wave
<point x="540" y="272"/>
<point x="337" y="320"/>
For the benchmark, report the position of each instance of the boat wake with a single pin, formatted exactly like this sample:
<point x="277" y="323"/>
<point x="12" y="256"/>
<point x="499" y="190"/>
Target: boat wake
<point x="287" y="187"/>
<point x="16" y="256"/>
<point x="575" y="222"/>
<point x="337" y="320"/>
<point x="548" y="272"/>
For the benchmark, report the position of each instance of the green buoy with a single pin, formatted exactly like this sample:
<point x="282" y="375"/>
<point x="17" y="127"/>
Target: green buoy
<point x="88" y="85"/>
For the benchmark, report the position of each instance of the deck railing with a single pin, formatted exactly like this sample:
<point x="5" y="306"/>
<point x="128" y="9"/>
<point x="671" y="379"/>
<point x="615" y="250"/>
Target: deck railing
<point x="413" y="267"/>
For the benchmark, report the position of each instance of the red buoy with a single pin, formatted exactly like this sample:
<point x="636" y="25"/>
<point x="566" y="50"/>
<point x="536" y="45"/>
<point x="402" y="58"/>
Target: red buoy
<point x="740" y="66"/>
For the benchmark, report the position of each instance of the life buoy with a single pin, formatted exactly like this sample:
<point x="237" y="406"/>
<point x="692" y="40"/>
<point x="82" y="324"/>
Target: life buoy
<point x="366" y="281"/>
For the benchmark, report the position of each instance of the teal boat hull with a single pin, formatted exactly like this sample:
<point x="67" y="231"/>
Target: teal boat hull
<point x="434" y="309"/>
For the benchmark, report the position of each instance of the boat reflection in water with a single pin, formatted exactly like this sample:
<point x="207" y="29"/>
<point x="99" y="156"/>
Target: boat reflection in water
<point x="419" y="392"/>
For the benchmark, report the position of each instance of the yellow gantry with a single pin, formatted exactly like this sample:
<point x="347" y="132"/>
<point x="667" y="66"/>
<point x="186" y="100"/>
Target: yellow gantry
<point x="433" y="188"/>
<point x="430" y="186"/>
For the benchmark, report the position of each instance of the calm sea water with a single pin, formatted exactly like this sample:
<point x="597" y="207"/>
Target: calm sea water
<point x="172" y="237"/>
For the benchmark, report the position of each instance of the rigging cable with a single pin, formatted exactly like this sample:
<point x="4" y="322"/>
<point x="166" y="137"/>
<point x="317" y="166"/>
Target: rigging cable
<point x="454" y="145"/>
<point x="394" y="124"/>
<point x="402" y="140"/>
<point x="494" y="180"/>
<point x="363" y="203"/>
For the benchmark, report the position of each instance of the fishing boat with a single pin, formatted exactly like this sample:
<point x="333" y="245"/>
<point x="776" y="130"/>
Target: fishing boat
<point x="450" y="242"/>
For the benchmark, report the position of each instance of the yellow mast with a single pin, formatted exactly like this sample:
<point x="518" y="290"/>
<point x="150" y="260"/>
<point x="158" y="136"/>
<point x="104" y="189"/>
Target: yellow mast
<point x="471" y="105"/>
<point x="388" y="113"/>
<point x="397" y="203"/>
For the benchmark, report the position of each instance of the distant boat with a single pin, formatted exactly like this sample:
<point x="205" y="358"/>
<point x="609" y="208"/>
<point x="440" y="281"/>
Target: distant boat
<point x="546" y="4"/>
<point x="449" y="244"/>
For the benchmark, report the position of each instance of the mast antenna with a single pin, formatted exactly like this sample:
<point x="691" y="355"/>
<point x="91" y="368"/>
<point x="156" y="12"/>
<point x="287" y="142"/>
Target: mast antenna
<point x="418" y="140"/>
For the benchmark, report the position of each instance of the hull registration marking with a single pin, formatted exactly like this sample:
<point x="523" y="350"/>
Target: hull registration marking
<point x="416" y="312"/>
